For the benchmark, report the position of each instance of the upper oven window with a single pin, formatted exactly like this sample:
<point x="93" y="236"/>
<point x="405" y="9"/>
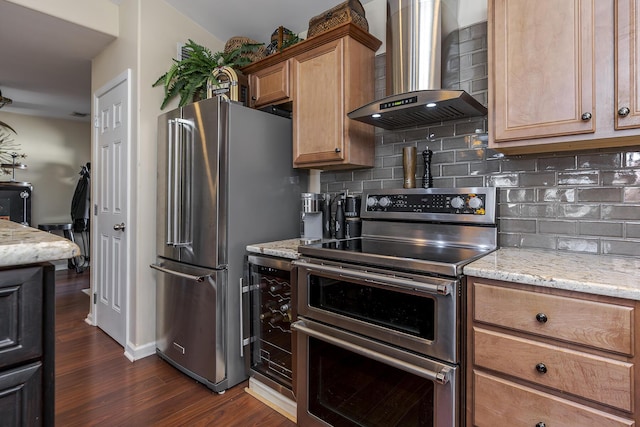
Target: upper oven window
<point x="388" y="307"/>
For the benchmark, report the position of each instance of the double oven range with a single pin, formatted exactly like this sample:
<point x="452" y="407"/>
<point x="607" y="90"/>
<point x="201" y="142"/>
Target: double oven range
<point x="380" y="329"/>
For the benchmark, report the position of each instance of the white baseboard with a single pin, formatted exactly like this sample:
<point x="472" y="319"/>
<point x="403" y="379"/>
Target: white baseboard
<point x="134" y="353"/>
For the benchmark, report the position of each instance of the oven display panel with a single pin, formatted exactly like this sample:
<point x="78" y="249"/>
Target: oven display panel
<point x="428" y="203"/>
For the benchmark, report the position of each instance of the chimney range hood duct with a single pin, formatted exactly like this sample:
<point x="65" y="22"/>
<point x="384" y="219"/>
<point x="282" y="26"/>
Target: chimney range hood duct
<point x="414" y="30"/>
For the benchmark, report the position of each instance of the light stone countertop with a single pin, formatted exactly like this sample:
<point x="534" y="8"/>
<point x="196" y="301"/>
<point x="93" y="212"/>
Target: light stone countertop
<point x="21" y="245"/>
<point x="281" y="248"/>
<point x="593" y="274"/>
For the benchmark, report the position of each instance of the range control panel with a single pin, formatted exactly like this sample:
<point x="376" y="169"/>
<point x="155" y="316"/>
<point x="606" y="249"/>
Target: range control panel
<point x="439" y="203"/>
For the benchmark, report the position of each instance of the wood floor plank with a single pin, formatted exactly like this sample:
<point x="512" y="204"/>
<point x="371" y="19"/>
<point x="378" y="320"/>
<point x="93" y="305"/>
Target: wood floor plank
<point x="96" y="385"/>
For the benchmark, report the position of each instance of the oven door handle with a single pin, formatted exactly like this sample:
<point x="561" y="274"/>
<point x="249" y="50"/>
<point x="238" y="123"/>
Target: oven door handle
<point x="441" y="287"/>
<point x="441" y="377"/>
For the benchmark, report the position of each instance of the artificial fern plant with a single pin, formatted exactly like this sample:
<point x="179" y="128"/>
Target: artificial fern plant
<point x="188" y="77"/>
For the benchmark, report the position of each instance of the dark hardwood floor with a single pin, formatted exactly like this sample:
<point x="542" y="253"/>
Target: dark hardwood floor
<point x="97" y="386"/>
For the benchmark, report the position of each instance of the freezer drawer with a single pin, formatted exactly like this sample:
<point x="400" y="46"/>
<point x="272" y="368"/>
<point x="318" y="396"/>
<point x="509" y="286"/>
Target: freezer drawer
<point x="190" y="320"/>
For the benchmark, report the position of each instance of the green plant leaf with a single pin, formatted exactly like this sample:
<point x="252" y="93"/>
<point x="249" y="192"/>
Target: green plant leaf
<point x="4" y="125"/>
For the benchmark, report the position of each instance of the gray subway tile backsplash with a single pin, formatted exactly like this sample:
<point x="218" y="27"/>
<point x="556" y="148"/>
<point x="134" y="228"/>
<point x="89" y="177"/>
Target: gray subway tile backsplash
<point x="585" y="201"/>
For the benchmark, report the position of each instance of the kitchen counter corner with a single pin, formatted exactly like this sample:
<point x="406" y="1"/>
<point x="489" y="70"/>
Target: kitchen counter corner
<point x="21" y="245"/>
<point x="281" y="248"/>
<point x="594" y="274"/>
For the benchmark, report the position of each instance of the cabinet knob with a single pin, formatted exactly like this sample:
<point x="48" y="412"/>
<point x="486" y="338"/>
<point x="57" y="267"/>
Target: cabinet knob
<point x="542" y="368"/>
<point x="338" y="150"/>
<point x="541" y="424"/>
<point x="253" y="98"/>
<point x="624" y="111"/>
<point x="586" y="117"/>
<point x="542" y="318"/>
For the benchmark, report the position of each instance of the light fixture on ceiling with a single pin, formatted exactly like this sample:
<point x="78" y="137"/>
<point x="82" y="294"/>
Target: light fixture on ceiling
<point x="4" y="100"/>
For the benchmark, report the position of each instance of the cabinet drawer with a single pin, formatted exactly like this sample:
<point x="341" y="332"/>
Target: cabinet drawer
<point x="502" y="403"/>
<point x="596" y="324"/>
<point x="600" y="379"/>
<point x="270" y="85"/>
<point x="20" y="315"/>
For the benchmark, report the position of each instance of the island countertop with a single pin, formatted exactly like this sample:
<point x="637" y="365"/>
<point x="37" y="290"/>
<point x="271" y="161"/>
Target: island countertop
<point x="594" y="274"/>
<point x="20" y="245"/>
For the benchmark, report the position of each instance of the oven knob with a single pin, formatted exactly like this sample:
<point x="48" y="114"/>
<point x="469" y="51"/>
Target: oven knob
<point x="475" y="202"/>
<point x="372" y="201"/>
<point x="457" y="202"/>
<point x="385" y="202"/>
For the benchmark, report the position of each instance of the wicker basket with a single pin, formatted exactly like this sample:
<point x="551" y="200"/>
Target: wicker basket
<point x="349" y="11"/>
<point x="235" y="42"/>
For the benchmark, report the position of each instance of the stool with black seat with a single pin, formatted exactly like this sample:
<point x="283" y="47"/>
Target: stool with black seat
<point x="67" y="232"/>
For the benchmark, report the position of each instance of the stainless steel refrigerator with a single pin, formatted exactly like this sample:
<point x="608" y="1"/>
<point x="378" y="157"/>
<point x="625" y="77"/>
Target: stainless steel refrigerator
<point x="225" y="180"/>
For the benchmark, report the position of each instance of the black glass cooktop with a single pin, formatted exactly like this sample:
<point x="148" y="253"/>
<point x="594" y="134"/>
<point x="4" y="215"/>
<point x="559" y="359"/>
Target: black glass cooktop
<point x="447" y="260"/>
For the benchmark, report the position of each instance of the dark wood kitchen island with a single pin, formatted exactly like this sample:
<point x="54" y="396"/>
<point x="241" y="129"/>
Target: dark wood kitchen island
<point x="27" y="322"/>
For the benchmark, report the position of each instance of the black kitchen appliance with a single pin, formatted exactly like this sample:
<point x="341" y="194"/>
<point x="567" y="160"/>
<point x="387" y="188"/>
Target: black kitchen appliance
<point x="380" y="335"/>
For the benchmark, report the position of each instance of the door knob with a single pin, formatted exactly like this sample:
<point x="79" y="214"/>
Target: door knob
<point x="119" y="227"/>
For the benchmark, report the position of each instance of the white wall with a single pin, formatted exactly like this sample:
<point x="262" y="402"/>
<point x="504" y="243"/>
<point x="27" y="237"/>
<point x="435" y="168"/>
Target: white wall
<point x="471" y="12"/>
<point x="56" y="150"/>
<point x="99" y="15"/>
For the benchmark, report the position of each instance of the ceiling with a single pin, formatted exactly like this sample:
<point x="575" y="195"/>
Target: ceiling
<point x="45" y="62"/>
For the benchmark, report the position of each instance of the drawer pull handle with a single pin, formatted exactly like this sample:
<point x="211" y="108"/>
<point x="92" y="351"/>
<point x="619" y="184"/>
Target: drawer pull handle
<point x="542" y="318"/>
<point x="542" y="368"/>
<point x="541" y="424"/>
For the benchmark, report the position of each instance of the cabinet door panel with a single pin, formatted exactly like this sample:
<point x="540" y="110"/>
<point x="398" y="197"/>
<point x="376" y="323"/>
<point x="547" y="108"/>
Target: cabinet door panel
<point x="271" y="85"/>
<point x="20" y="315"/>
<point x="503" y="403"/>
<point x="542" y="73"/>
<point x="627" y="57"/>
<point x="318" y="105"/>
<point x="21" y="396"/>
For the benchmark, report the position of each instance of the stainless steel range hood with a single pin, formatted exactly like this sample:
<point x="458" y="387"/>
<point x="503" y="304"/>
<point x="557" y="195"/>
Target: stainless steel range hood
<point x="414" y="51"/>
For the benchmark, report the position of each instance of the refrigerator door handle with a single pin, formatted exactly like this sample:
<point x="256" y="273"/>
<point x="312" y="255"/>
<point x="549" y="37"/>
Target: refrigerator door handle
<point x="198" y="279"/>
<point x="172" y="135"/>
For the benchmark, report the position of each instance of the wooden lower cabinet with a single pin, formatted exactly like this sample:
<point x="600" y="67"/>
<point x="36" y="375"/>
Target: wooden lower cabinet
<point x="545" y="357"/>
<point x="27" y="327"/>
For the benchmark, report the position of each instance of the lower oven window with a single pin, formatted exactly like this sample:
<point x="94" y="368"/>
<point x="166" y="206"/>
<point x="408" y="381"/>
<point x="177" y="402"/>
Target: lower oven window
<point x="346" y="389"/>
<point x="405" y="312"/>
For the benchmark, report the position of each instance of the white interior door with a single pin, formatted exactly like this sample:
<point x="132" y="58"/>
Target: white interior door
<point x="111" y="207"/>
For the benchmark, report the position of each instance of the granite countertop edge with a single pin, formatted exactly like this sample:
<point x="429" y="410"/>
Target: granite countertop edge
<point x="281" y="248"/>
<point x="605" y="275"/>
<point x="21" y="245"/>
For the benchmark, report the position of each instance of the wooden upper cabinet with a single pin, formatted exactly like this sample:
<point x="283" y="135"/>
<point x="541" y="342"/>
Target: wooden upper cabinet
<point x="543" y="68"/>
<point x="329" y="75"/>
<point x="319" y="115"/>
<point x="627" y="57"/>
<point x="555" y="82"/>
<point x="270" y="85"/>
